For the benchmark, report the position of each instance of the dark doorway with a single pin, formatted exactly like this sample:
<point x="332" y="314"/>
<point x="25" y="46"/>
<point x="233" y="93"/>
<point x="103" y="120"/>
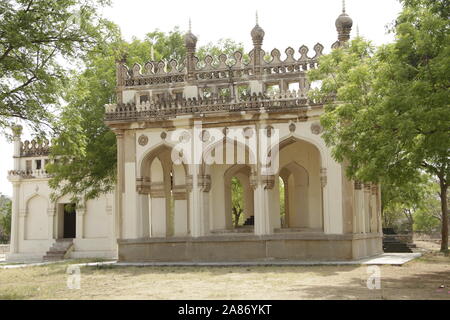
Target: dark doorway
<point x="69" y="221"/>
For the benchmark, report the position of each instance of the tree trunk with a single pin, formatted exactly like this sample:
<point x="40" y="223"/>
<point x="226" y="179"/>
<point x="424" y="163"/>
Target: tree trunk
<point x="444" y="208"/>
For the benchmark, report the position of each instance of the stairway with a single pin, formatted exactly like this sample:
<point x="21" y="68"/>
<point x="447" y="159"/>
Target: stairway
<point x="60" y="250"/>
<point x="393" y="242"/>
<point x="250" y="221"/>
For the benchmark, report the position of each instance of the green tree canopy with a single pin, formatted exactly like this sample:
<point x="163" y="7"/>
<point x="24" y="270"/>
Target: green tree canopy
<point x="38" y="40"/>
<point x="387" y="110"/>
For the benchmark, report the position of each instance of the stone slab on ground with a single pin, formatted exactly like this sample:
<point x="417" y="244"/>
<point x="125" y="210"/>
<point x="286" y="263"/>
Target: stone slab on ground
<point x="394" y="259"/>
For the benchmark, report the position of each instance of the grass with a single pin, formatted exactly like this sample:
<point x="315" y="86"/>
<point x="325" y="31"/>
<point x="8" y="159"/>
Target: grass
<point x="419" y="279"/>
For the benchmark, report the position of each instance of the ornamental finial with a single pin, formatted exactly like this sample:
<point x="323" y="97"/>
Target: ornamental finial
<point x="257" y="17"/>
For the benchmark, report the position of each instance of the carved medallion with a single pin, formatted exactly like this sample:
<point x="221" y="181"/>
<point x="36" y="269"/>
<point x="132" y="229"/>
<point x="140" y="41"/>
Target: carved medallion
<point x="143" y="140"/>
<point x="163" y="135"/>
<point x="205" y="136"/>
<point x="292" y="127"/>
<point x="247" y="132"/>
<point x="316" y="128"/>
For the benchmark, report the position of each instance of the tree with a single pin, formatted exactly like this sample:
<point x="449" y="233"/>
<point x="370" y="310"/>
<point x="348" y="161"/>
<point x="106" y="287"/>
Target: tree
<point x="387" y="110"/>
<point x="83" y="150"/>
<point x="38" y="39"/>
<point x="237" y="200"/>
<point x="402" y="201"/>
<point x="5" y="218"/>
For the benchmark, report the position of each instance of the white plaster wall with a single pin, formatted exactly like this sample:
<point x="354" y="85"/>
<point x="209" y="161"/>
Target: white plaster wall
<point x="96" y="220"/>
<point x="36" y="207"/>
<point x="36" y="221"/>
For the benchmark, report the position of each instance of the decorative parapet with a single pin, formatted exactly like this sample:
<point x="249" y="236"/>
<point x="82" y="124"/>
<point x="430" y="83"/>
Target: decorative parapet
<point x="222" y="67"/>
<point x="34" y="148"/>
<point x="28" y="174"/>
<point x="170" y="108"/>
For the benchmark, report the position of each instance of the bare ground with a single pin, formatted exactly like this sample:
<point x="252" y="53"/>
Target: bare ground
<point x="425" y="278"/>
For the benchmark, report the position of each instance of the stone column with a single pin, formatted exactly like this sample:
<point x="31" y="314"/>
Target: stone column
<point x="373" y="198"/>
<point x="325" y="200"/>
<point x="17" y="132"/>
<point x="14" y="243"/>
<point x="179" y="194"/>
<point x="204" y="184"/>
<point x="262" y="185"/>
<point x="21" y="228"/>
<point x="51" y="222"/>
<point x="198" y="186"/>
<point x="367" y="207"/>
<point x="359" y="210"/>
<point x="158" y="210"/>
<point x="119" y="184"/>
<point x="80" y="222"/>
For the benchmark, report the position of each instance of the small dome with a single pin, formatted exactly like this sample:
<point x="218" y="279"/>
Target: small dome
<point x="190" y="40"/>
<point x="257" y="34"/>
<point x="344" y="21"/>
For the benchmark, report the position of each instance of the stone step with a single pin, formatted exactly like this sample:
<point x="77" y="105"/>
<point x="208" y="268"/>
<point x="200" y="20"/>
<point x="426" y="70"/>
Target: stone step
<point x="58" y="250"/>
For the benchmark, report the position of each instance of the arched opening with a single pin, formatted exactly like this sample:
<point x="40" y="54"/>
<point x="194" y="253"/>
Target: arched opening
<point x="237" y="203"/>
<point x="224" y="160"/>
<point x="299" y="186"/>
<point x="238" y="199"/>
<point x="162" y="189"/>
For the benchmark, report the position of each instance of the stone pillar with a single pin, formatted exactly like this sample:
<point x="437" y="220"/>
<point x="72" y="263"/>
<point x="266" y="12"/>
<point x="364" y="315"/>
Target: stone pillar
<point x="51" y="222"/>
<point x="80" y="222"/>
<point x="120" y="77"/>
<point x="158" y="210"/>
<point x="359" y="210"/>
<point x="262" y="185"/>
<point x="325" y="201"/>
<point x="119" y="184"/>
<point x="14" y="243"/>
<point x="373" y="200"/>
<point x="21" y="228"/>
<point x="179" y="194"/>
<point x="204" y="184"/>
<point x="17" y="132"/>
<point x="367" y="207"/>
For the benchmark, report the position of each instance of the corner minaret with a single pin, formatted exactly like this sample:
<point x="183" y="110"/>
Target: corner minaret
<point x="17" y="132"/>
<point x="190" y="42"/>
<point x="257" y="38"/>
<point x="343" y="25"/>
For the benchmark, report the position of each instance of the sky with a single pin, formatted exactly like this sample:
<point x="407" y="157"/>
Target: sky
<point x="286" y="24"/>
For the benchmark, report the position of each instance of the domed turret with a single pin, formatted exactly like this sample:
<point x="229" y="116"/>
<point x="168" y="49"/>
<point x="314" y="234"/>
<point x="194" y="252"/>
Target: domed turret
<point x="344" y="21"/>
<point x="257" y="34"/>
<point x="190" y="40"/>
<point x="344" y="25"/>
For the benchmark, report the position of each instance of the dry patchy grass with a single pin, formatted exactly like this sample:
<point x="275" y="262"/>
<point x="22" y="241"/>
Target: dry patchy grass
<point x="420" y="279"/>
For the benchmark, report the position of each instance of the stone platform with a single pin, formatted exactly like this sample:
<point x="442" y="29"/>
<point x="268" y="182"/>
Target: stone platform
<point x="290" y="246"/>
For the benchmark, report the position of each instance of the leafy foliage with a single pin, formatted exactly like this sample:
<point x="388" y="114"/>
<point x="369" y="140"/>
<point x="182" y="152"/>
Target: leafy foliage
<point x="38" y="38"/>
<point x="237" y="201"/>
<point x="391" y="117"/>
<point x="5" y="218"/>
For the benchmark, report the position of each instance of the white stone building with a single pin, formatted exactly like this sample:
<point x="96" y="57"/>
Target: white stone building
<point x="184" y="130"/>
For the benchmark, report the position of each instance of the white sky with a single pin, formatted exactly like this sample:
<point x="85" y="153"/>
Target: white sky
<point x="286" y="23"/>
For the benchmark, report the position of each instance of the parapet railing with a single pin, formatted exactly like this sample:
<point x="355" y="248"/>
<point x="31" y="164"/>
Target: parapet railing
<point x="222" y="67"/>
<point x="34" y="148"/>
<point x="29" y="174"/>
<point x="170" y="108"/>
